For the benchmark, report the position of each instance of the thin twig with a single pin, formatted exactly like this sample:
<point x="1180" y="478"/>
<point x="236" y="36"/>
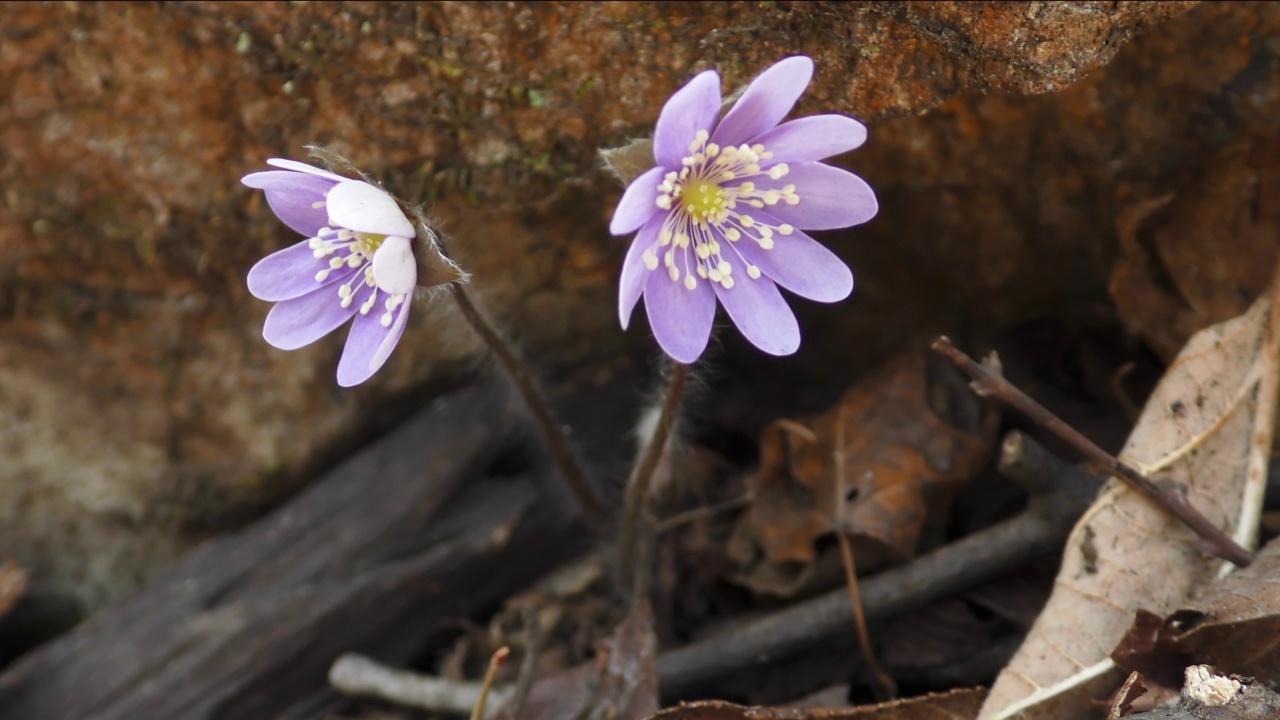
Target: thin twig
<point x="357" y="675"/>
<point x="637" y="497"/>
<point x="1164" y="492"/>
<point x="563" y="456"/>
<point x="528" y="666"/>
<point x="495" y="663"/>
<point x="700" y="513"/>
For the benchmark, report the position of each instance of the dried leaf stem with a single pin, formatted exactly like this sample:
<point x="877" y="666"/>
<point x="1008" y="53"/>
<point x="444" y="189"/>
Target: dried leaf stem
<point x="1165" y="493"/>
<point x="630" y="535"/>
<point x="886" y="688"/>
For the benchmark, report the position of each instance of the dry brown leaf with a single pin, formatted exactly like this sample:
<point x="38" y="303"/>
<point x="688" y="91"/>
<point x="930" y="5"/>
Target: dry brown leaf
<point x="1208" y="426"/>
<point x="13" y="585"/>
<point x="1208" y="251"/>
<point x="954" y="705"/>
<point x="1233" y="624"/>
<point x="902" y="463"/>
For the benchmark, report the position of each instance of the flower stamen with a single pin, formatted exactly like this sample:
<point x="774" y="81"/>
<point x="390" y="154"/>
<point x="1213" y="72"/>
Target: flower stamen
<point x="704" y="205"/>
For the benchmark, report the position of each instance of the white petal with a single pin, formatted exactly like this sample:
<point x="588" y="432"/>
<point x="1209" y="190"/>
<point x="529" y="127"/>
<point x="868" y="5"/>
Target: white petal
<point x="304" y="168"/>
<point x="364" y="208"/>
<point x="394" y="269"/>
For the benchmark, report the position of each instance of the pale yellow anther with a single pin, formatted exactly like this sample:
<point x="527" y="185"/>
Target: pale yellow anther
<point x="345" y="290"/>
<point x="674" y="273"/>
<point x="714" y="275"/>
<point x="747" y="221"/>
<point x="747" y="188"/>
<point x="713" y="150"/>
<point x="702" y="272"/>
<point x="322" y="275"/>
<point x="765" y="231"/>
<point x="751" y="169"/>
<point x="354" y="260"/>
<point x="368" y="304"/>
<point x="756" y="203"/>
<point x="317" y="204"/>
<point x="732" y="234"/>
<point x="765" y="243"/>
<point x="753" y="272"/>
<point x="682" y="240"/>
<point x="664" y="237"/>
<point x="689" y="282"/>
<point x="715" y="247"/>
<point x="788" y="189"/>
<point x="337" y="263"/>
<point x="650" y="259"/>
<point x="703" y="251"/>
<point x="778" y="171"/>
<point x="786" y="229"/>
<point x="792" y="199"/>
<point x="727" y="282"/>
<point x="725" y="268"/>
<point x="771" y="197"/>
<point x="669" y="258"/>
<point x="663" y="202"/>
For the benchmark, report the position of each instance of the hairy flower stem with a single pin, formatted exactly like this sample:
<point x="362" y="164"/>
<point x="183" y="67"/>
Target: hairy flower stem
<point x="630" y="535"/>
<point x="533" y="398"/>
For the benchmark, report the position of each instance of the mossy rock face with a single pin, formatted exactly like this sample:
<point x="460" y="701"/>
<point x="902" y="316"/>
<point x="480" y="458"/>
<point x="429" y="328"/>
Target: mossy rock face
<point x="139" y="406"/>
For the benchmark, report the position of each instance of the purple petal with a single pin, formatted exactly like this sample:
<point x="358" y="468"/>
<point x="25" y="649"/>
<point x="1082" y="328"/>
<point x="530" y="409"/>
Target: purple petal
<point x="766" y="101"/>
<point x="304" y="168"/>
<point x="290" y="273"/>
<point x="638" y="203"/>
<point x="679" y="317"/>
<point x="359" y="206"/>
<point x="291" y="324"/>
<point x="797" y="262"/>
<point x="369" y="344"/>
<point x="812" y="138"/>
<point x="694" y="107"/>
<point x="292" y="197"/>
<point x="829" y="197"/>
<point x="759" y="311"/>
<point x="634" y="272"/>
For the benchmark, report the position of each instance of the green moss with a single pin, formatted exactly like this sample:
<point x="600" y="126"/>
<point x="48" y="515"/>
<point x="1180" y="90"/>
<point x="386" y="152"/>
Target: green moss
<point x="537" y="98"/>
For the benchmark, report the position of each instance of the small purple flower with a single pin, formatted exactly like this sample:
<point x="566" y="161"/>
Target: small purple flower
<point x="721" y="215"/>
<point x="357" y="261"/>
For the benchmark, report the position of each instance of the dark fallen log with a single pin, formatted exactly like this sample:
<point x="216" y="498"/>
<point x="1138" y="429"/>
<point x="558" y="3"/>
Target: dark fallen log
<point x="379" y="556"/>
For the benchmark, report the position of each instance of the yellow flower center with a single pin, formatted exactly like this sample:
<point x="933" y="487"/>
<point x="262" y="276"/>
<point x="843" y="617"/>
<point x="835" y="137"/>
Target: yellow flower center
<point x="705" y="207"/>
<point x="704" y="199"/>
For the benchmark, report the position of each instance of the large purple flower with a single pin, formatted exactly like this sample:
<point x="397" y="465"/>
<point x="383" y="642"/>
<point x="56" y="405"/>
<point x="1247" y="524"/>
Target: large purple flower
<point x="721" y="215"/>
<point x="357" y="261"/>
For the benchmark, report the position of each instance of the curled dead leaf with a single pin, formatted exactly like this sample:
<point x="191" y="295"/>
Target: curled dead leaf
<point x="902" y="464"/>
<point x="1206" y="252"/>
